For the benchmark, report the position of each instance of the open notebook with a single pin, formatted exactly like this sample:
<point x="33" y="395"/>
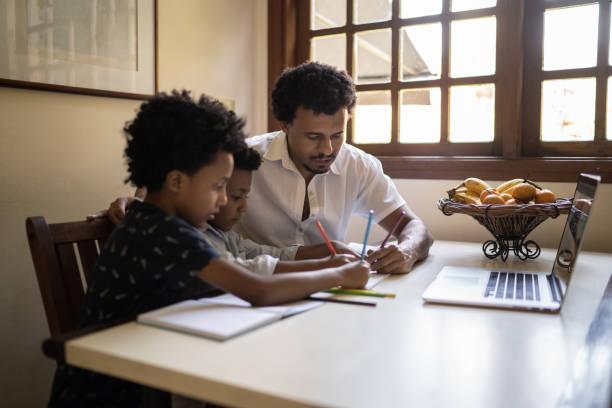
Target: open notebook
<point x="221" y="317"/>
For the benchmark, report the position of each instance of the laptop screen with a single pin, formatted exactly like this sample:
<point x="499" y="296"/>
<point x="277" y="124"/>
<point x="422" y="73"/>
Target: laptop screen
<point x="573" y="233"/>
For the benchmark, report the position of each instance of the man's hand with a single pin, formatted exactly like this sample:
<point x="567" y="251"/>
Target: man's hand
<point x="116" y="211"/>
<point x="392" y="259"/>
<point x="342" y="248"/>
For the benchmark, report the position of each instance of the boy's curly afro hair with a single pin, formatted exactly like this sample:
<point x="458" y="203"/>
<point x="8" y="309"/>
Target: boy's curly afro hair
<point x="174" y="132"/>
<point x="314" y="86"/>
<point x="248" y="159"/>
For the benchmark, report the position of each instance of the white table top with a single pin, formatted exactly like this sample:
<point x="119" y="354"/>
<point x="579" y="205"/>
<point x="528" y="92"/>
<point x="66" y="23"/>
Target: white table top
<point x="401" y="353"/>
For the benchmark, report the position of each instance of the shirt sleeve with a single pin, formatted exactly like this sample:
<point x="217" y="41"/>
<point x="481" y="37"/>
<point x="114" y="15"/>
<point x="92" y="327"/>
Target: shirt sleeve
<point x="184" y="253"/>
<point x="378" y="191"/>
<point x="262" y="265"/>
<point x="249" y="249"/>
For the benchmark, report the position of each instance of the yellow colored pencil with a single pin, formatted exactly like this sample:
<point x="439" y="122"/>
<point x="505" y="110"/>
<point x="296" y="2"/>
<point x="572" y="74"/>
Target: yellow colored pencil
<point x="361" y="292"/>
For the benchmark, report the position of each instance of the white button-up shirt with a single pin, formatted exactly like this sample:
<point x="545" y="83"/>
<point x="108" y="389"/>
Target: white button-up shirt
<point x="354" y="184"/>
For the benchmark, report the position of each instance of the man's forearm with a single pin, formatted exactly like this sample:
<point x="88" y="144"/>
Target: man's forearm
<point x="416" y="238"/>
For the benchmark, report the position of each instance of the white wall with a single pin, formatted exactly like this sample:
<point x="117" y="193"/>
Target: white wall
<point x="219" y="48"/>
<point x="61" y="157"/>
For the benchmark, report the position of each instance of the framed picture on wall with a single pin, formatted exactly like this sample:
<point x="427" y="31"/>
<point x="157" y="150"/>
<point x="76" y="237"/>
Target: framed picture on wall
<point x="97" y="47"/>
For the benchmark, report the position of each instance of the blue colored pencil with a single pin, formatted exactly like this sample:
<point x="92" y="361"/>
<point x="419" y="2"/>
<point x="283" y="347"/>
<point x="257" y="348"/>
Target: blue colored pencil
<point x="367" y="234"/>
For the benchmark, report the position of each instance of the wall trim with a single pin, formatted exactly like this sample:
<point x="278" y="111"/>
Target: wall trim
<point x="493" y="168"/>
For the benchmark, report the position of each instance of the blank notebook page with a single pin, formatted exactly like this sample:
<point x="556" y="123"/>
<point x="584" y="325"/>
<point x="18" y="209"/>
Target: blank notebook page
<point x="217" y="321"/>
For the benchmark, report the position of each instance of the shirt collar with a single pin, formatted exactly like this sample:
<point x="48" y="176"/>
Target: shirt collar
<point x="207" y="227"/>
<point x="279" y="150"/>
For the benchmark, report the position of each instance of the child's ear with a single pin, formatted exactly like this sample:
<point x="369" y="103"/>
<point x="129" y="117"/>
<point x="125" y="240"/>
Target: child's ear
<point x="174" y="180"/>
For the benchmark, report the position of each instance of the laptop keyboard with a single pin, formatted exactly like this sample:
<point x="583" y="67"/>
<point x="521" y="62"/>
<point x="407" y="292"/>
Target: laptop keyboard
<point x="512" y="285"/>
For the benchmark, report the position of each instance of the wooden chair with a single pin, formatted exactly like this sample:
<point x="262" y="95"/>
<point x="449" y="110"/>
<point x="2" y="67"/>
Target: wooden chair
<point x="56" y="250"/>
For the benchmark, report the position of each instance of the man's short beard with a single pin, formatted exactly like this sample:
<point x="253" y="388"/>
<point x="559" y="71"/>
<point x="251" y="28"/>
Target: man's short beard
<point x="321" y="156"/>
<point x="313" y="171"/>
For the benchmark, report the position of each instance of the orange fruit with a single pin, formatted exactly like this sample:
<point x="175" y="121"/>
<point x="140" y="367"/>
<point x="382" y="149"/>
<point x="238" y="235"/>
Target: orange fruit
<point x="511" y="201"/>
<point x="506" y="196"/>
<point x="493" y="199"/>
<point x="545" y="196"/>
<point x="524" y="192"/>
<point x="583" y="205"/>
<point x="486" y="192"/>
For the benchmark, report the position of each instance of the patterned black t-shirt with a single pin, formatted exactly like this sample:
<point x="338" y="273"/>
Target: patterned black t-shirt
<point x="150" y="260"/>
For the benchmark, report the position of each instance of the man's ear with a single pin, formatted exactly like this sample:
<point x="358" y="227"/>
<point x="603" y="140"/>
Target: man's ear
<point x="174" y="180"/>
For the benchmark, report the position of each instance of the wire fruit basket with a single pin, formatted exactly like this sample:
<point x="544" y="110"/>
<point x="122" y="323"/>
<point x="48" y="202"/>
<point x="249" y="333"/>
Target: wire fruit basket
<point x="509" y="224"/>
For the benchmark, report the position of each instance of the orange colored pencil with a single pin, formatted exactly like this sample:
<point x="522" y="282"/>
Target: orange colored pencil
<point x="329" y="244"/>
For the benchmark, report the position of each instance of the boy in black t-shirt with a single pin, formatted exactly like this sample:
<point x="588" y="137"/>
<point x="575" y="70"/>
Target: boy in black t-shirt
<point x="181" y="151"/>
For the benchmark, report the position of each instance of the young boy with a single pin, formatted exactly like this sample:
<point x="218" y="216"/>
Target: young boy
<point x="181" y="151"/>
<point x="258" y="258"/>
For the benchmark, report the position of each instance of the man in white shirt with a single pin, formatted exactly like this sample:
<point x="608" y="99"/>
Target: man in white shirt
<point x="309" y="174"/>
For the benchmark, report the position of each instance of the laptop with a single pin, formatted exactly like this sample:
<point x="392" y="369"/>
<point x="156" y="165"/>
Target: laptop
<point x="542" y="291"/>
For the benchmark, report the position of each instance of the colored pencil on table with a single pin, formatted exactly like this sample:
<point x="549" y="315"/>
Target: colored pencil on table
<point x="329" y="244"/>
<point x="367" y="234"/>
<point x="397" y="223"/>
<point x="361" y="292"/>
<point x="348" y="302"/>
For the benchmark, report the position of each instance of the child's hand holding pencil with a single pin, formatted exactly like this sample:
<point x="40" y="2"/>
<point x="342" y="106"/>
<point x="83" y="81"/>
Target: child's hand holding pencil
<point x="340" y="259"/>
<point x="354" y="274"/>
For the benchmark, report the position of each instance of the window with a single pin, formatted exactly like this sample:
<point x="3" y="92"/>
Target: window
<point x="567" y="71"/>
<point x="425" y="72"/>
<point x="493" y="80"/>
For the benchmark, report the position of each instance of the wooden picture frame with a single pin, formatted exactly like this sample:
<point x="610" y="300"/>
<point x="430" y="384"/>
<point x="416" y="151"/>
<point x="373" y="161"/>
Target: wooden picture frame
<point x="98" y="48"/>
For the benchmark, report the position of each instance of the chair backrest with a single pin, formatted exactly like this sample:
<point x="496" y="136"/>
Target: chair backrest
<point x="56" y="251"/>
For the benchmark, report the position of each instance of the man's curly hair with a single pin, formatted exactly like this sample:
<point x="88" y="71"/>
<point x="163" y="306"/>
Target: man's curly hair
<point x="247" y="159"/>
<point x="174" y="132"/>
<point x="314" y="86"/>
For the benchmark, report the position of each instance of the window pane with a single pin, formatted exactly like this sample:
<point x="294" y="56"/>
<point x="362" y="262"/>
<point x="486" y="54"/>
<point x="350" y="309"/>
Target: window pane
<point x="610" y="42"/>
<point x="411" y="8"/>
<point x="420" y="52"/>
<point x="369" y="11"/>
<point x="327" y="14"/>
<point x="472" y="50"/>
<point x="472" y="113"/>
<point x="372" y="56"/>
<point x="570" y="37"/>
<point x="420" y="115"/>
<point x="568" y="110"/>
<point x="372" y="121"/>
<point x="609" y="113"/>
<point x="330" y="50"/>
<point x="461" y="5"/>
